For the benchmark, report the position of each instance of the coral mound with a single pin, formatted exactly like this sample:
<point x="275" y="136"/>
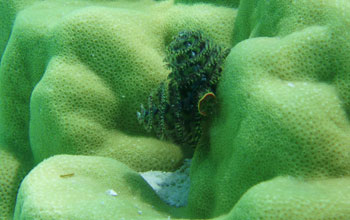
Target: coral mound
<point x="284" y="117"/>
<point x="86" y="188"/>
<point x="278" y="144"/>
<point x="74" y="72"/>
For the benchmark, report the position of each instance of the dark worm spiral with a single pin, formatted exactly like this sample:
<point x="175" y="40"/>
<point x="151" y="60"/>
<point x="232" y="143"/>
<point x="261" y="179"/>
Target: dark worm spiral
<point x="176" y="108"/>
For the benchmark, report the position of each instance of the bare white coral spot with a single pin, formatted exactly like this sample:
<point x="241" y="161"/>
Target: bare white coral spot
<point x="111" y="192"/>
<point x="171" y="187"/>
<point x="291" y="84"/>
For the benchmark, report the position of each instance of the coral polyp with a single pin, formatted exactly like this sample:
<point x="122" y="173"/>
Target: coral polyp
<point x="174" y="108"/>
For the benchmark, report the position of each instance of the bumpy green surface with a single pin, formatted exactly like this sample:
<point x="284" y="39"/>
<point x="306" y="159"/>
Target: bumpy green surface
<point x="74" y="73"/>
<point x="81" y="187"/>
<point x="278" y="148"/>
<point x="227" y="3"/>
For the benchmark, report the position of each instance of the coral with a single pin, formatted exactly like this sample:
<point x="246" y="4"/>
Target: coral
<point x="73" y="74"/>
<point x="279" y="147"/>
<point x="107" y="188"/>
<point x="278" y="143"/>
<point x="227" y="3"/>
<point x="176" y="107"/>
<point x="13" y="168"/>
<point x="171" y="187"/>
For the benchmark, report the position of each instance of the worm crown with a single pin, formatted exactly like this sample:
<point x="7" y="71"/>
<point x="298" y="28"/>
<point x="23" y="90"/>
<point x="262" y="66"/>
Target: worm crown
<point x="176" y="107"/>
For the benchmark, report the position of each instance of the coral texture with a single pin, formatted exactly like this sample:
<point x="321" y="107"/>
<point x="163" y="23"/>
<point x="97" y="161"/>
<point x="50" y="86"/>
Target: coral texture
<point x="79" y="187"/>
<point x="278" y="146"/>
<point x="227" y="3"/>
<point x="74" y="73"/>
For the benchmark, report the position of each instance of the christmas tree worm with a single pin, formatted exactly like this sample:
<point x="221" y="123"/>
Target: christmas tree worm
<point x="176" y="108"/>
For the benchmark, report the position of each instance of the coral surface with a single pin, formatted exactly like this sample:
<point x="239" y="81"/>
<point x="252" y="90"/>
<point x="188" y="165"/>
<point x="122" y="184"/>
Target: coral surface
<point x="87" y="187"/>
<point x="278" y="146"/>
<point x="74" y="73"/>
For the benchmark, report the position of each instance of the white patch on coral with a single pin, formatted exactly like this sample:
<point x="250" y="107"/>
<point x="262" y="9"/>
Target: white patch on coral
<point x="291" y="84"/>
<point x="111" y="192"/>
<point x="171" y="187"/>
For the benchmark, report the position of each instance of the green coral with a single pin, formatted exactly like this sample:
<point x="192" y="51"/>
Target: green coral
<point x="278" y="145"/>
<point x="279" y="149"/>
<point x="226" y="3"/>
<point x="173" y="108"/>
<point x="106" y="187"/>
<point x="73" y="74"/>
